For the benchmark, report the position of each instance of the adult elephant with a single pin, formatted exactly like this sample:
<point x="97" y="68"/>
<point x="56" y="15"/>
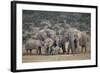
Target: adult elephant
<point x="46" y="33"/>
<point x="33" y="44"/>
<point x="72" y="35"/>
<point x="61" y="42"/>
<point x="71" y="43"/>
<point x="81" y="41"/>
<point x="47" y="36"/>
<point x="84" y="41"/>
<point x="57" y="45"/>
<point x="78" y="40"/>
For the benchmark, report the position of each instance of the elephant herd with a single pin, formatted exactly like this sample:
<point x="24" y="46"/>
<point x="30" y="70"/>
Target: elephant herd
<point x="48" y="42"/>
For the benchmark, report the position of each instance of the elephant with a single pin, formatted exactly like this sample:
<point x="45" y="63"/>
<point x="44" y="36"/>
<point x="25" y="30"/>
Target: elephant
<point x="57" y="45"/>
<point x="72" y="36"/>
<point x="71" y="43"/>
<point x="48" y="43"/>
<point x="56" y="50"/>
<point x="78" y="40"/>
<point x="33" y="44"/>
<point x="47" y="36"/>
<point x="61" y="42"/>
<point x="84" y="41"/>
<point x="46" y="33"/>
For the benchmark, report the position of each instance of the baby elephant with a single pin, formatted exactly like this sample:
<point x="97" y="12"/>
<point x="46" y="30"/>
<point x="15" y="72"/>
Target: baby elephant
<point x="56" y="50"/>
<point x="48" y="43"/>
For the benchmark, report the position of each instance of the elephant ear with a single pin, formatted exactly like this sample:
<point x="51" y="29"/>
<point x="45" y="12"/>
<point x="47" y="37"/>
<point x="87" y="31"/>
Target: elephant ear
<point x="41" y="35"/>
<point x="75" y="32"/>
<point x="49" y="41"/>
<point x="29" y="43"/>
<point x="51" y="33"/>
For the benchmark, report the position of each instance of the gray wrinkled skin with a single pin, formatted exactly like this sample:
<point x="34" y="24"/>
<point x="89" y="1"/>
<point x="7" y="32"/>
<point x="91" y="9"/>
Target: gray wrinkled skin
<point x="80" y="38"/>
<point x="46" y="33"/>
<point x="68" y="41"/>
<point x="33" y="44"/>
<point x="84" y="41"/>
<point x="48" y="43"/>
<point x="70" y="36"/>
<point x="71" y="42"/>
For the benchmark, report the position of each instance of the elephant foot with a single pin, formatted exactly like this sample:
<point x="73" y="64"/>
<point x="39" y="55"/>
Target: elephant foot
<point x="64" y="53"/>
<point x="68" y="53"/>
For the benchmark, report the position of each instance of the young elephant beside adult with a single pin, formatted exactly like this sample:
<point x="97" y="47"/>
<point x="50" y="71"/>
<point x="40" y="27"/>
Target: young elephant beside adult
<point x="48" y="44"/>
<point x="73" y="36"/>
<point x="57" y="47"/>
<point x="46" y="33"/>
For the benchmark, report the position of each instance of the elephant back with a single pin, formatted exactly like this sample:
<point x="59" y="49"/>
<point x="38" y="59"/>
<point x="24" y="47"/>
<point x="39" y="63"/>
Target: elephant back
<point x="32" y="44"/>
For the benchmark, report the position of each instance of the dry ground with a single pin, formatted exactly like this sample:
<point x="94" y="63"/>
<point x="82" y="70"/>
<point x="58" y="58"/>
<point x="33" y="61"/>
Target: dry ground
<point x="44" y="58"/>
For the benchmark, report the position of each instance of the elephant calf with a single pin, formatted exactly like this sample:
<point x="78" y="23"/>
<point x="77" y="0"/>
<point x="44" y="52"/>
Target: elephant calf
<point x="48" y="43"/>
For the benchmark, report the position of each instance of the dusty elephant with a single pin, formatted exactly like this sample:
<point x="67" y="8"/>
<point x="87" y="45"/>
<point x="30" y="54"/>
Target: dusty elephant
<point x="46" y="33"/>
<point x="84" y="40"/>
<point x="47" y="36"/>
<point x="59" y="44"/>
<point x="33" y="44"/>
<point x="48" y="43"/>
<point x="78" y="41"/>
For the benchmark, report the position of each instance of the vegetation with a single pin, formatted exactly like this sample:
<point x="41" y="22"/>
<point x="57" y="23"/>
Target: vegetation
<point x="38" y="19"/>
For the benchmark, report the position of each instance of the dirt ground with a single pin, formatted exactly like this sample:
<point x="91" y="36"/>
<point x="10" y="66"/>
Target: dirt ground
<point x="64" y="57"/>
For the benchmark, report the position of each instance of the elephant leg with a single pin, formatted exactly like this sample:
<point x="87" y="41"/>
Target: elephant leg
<point x="30" y="51"/>
<point x="36" y="51"/>
<point x="72" y="51"/>
<point x="68" y="51"/>
<point x="39" y="50"/>
<point x="51" y="51"/>
<point x="26" y="51"/>
<point x="75" y="50"/>
<point x="82" y="49"/>
<point x="85" y="49"/>
<point x="63" y="48"/>
<point x="47" y="50"/>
